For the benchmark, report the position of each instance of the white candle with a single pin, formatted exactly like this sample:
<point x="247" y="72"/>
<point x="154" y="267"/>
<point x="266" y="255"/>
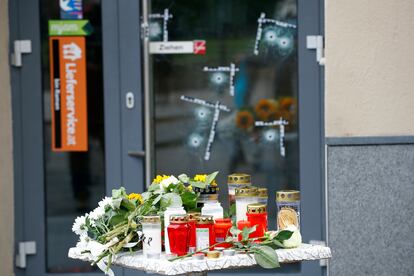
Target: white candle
<point x="151" y="240"/>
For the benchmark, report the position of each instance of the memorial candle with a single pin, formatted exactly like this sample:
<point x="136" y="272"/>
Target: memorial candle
<point x="178" y="234"/>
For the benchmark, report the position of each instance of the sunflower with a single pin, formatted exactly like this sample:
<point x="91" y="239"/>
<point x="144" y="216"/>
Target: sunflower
<point x="244" y="120"/>
<point x="265" y="109"/>
<point x="288" y="104"/>
<point x="137" y="197"/>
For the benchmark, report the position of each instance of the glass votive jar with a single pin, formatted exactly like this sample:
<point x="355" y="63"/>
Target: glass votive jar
<point x="151" y="241"/>
<point x="288" y="208"/>
<point x="179" y="234"/>
<point x="212" y="208"/>
<point x="237" y="180"/>
<point x="241" y="225"/>
<point x="244" y="196"/>
<point x="222" y="228"/>
<point x="192" y="220"/>
<point x="205" y="236"/>
<point x="262" y="195"/>
<point x="172" y="210"/>
<point x="207" y="194"/>
<point x="257" y="216"/>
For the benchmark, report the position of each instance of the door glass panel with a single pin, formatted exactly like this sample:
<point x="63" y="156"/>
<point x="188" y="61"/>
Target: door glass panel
<point x="265" y="89"/>
<point x="74" y="181"/>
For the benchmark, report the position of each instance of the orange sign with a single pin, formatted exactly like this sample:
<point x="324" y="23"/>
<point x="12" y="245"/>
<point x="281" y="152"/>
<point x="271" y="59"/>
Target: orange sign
<point x="68" y="93"/>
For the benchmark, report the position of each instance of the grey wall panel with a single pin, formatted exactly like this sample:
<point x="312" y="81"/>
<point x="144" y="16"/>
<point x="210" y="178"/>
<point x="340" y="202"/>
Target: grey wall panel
<point x="371" y="225"/>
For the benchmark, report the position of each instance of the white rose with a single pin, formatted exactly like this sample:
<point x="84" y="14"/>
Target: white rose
<point x="167" y="182"/>
<point x="295" y="240"/>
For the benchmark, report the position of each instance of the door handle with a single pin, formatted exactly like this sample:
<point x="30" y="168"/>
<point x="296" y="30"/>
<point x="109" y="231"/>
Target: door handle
<point x="24" y="249"/>
<point x="138" y="153"/>
<point x="147" y="95"/>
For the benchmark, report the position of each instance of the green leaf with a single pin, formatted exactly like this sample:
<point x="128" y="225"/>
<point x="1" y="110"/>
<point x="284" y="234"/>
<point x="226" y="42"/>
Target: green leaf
<point x="284" y="235"/>
<point x="278" y="243"/>
<point x="158" y="198"/>
<point x="197" y="184"/>
<point x="118" y="193"/>
<point x="127" y="204"/>
<point x="211" y="177"/>
<point x="235" y="231"/>
<point x="117" y="219"/>
<point x="153" y="187"/>
<point x="266" y="257"/>
<point x="247" y="231"/>
<point x="183" y="178"/>
<point x="171" y="199"/>
<point x="116" y="202"/>
<point x="189" y="200"/>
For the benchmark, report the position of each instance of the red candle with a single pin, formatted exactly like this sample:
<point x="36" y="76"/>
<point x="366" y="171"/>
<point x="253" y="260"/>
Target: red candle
<point x="179" y="234"/>
<point x="222" y="231"/>
<point x="205" y="236"/>
<point x="257" y="216"/>
<point x="192" y="218"/>
<point x="241" y="225"/>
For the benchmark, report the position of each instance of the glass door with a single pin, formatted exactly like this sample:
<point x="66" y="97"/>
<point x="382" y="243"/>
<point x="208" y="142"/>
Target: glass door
<point x="231" y="103"/>
<point x="76" y="131"/>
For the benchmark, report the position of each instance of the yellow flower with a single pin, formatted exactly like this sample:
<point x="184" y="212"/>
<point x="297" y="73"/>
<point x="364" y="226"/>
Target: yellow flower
<point x="134" y="196"/>
<point x="190" y="188"/>
<point x="159" y="178"/>
<point x="202" y="178"/>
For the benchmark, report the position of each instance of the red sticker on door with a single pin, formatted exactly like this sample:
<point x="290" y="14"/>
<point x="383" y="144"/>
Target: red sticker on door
<point x="200" y="47"/>
<point x="68" y="93"/>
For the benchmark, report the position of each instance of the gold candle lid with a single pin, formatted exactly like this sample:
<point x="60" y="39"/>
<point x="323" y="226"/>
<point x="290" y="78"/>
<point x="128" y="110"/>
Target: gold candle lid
<point x="256" y="208"/>
<point x="246" y="191"/>
<point x="205" y="219"/>
<point x="262" y="192"/>
<point x="151" y="219"/>
<point x="179" y="218"/>
<point x="193" y="215"/>
<point x="239" y="179"/>
<point x="213" y="254"/>
<point x="288" y="195"/>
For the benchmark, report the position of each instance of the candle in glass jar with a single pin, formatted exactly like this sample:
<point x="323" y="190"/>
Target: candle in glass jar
<point x="257" y="216"/>
<point x="212" y="208"/>
<point x="241" y="225"/>
<point x="205" y="236"/>
<point x="222" y="231"/>
<point x="288" y="208"/>
<point x="172" y="210"/>
<point x="236" y="180"/>
<point x="244" y="196"/>
<point x="151" y="241"/>
<point x="262" y="195"/>
<point x="192" y="219"/>
<point x="179" y="234"/>
<point x="207" y="194"/>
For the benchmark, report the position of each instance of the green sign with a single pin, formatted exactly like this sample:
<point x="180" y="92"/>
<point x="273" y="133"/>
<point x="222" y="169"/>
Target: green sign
<point x="69" y="28"/>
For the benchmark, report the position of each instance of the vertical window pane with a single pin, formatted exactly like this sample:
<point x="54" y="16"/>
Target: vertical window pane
<point x="265" y="89"/>
<point x="74" y="181"/>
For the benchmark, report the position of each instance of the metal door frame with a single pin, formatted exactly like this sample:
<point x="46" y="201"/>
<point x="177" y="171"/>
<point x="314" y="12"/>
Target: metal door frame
<point x="123" y="127"/>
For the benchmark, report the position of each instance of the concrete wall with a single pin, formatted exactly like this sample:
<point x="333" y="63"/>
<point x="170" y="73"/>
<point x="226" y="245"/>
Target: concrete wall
<point x="369" y="67"/>
<point x="6" y="153"/>
<point x="369" y="92"/>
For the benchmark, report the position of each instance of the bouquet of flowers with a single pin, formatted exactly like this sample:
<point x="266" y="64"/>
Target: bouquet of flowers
<point x="114" y="226"/>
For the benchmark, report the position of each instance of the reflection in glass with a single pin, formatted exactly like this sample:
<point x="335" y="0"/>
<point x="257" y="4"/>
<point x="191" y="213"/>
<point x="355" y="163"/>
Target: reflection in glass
<point x="74" y="181"/>
<point x="265" y="89"/>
